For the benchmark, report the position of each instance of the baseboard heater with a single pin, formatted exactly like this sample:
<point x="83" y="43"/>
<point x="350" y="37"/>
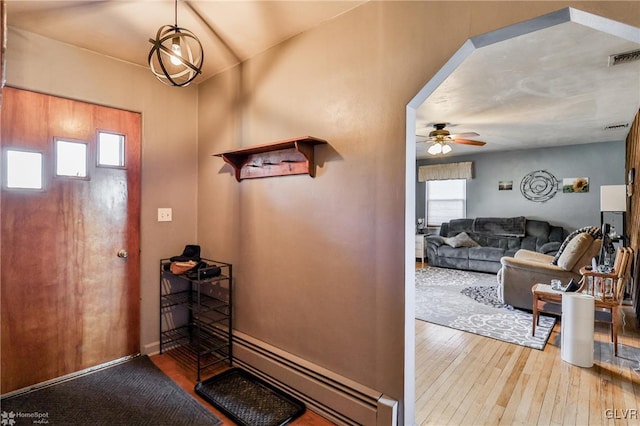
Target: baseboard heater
<point x="334" y="397"/>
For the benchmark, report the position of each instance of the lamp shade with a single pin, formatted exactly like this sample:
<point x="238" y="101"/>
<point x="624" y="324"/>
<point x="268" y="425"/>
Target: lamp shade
<point x="613" y="198"/>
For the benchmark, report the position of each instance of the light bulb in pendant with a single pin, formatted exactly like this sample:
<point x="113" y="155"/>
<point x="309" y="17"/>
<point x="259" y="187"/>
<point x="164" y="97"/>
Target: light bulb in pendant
<point x="177" y="51"/>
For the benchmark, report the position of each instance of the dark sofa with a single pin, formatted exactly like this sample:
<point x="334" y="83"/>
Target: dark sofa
<point x="489" y="240"/>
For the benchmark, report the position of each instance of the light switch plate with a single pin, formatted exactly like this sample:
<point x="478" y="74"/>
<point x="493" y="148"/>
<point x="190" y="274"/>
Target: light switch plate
<point x="164" y="215"/>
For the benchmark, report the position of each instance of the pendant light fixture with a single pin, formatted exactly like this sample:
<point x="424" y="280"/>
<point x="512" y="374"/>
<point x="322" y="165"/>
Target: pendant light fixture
<point x="176" y="56"/>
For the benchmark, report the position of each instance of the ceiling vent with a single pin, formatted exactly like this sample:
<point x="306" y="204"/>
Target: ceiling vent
<point x="616" y="126"/>
<point x="623" y="58"/>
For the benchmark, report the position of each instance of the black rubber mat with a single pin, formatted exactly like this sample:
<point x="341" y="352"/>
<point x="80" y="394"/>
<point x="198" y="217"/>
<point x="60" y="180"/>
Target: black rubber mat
<point x="248" y="400"/>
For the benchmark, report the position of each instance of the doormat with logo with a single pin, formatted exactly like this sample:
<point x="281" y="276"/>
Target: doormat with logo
<point x="248" y="400"/>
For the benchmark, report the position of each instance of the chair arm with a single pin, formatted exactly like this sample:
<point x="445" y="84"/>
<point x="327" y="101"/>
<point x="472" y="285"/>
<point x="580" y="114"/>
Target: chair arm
<point x="544" y="272"/>
<point x="533" y="256"/>
<point x="435" y="240"/>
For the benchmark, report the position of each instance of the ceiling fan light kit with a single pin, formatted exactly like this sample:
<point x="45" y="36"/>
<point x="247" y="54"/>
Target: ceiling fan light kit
<point x="439" y="148"/>
<point x="176" y="56"/>
<point x="441" y="139"/>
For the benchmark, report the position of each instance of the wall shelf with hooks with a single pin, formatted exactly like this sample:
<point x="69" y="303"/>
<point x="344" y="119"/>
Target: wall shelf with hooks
<point x="286" y="157"/>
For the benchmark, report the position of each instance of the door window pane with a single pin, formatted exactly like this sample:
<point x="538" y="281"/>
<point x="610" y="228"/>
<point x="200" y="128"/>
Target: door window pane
<point x="71" y="159"/>
<point x="110" y="150"/>
<point x="24" y="169"/>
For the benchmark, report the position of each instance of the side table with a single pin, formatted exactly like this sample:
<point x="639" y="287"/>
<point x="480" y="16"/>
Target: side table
<point x="577" y="310"/>
<point x="421" y="247"/>
<point x="543" y="293"/>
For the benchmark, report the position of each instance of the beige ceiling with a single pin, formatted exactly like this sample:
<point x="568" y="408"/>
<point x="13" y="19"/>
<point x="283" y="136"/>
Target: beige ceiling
<point x="544" y="88"/>
<point x="230" y="31"/>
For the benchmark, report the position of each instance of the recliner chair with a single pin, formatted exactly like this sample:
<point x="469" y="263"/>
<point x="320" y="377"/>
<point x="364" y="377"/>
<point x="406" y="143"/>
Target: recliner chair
<point x="526" y="268"/>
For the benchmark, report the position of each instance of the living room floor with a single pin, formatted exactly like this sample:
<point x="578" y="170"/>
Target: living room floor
<point x="463" y="378"/>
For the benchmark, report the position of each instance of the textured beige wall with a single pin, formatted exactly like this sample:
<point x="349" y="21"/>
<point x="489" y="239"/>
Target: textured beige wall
<point x="169" y="134"/>
<point x="320" y="262"/>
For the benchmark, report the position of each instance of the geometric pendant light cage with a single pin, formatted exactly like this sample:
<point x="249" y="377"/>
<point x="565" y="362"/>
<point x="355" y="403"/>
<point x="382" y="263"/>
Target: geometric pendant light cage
<point x="176" y="56"/>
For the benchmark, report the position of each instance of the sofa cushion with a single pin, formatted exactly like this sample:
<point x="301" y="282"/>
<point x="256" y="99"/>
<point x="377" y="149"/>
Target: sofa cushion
<point x="538" y="228"/>
<point x="497" y="241"/>
<point x="529" y="243"/>
<point x="574" y="250"/>
<point x="556" y="234"/>
<point x="550" y="248"/>
<point x="461" y="240"/>
<point x="448" y="251"/>
<point x="457" y="226"/>
<point x="486" y="253"/>
<point x="510" y="252"/>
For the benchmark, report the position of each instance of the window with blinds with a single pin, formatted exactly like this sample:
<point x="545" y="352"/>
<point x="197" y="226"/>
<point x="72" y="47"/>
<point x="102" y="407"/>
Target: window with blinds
<point x="446" y="200"/>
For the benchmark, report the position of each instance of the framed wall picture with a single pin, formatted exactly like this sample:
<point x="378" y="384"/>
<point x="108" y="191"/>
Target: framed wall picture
<point x="505" y="185"/>
<point x="575" y="185"/>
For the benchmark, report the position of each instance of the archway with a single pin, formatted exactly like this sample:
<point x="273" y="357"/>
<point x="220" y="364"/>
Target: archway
<point x="594" y="23"/>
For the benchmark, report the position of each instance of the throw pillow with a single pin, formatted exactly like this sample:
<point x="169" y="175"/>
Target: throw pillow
<point x="574" y="251"/>
<point x="594" y="231"/>
<point x="461" y="240"/>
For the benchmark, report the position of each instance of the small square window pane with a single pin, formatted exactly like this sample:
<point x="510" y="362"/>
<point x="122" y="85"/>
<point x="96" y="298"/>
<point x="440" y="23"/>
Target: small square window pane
<point x="24" y="170"/>
<point x="71" y="159"/>
<point x="110" y="149"/>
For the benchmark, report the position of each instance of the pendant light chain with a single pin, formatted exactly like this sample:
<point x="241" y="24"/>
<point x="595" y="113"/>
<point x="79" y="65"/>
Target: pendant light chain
<point x="175" y="12"/>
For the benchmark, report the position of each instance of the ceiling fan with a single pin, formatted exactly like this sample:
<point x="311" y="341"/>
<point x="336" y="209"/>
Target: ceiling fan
<point x="441" y="139"/>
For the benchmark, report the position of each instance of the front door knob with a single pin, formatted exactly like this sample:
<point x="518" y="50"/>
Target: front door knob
<point x="123" y="254"/>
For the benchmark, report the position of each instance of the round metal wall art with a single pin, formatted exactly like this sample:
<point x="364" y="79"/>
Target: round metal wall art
<point x="539" y="186"/>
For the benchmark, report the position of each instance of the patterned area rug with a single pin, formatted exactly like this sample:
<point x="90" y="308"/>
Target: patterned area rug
<point x="468" y="301"/>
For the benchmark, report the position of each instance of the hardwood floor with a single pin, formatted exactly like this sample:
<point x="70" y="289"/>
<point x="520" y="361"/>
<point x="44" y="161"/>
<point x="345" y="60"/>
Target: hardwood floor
<point x="463" y="379"/>
<point x="185" y="377"/>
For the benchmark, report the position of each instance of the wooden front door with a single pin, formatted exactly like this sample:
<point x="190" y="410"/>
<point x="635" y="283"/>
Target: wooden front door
<point x="68" y="301"/>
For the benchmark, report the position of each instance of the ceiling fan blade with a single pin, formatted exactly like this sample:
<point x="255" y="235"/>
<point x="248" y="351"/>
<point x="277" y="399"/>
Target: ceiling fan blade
<point x="468" y="142"/>
<point x="464" y="135"/>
